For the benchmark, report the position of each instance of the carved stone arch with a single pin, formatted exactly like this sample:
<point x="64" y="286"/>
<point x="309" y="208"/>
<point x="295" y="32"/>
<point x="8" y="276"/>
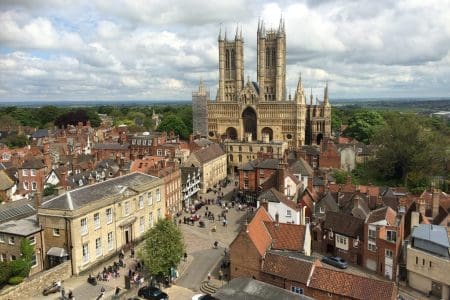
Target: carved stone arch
<point x="231" y="133"/>
<point x="267" y="131"/>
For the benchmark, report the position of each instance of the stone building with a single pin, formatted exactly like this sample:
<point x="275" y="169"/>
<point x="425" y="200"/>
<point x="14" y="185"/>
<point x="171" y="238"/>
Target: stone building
<point x="262" y="108"/>
<point x="212" y="163"/>
<point x="200" y="110"/>
<point x="92" y="223"/>
<point x="428" y="261"/>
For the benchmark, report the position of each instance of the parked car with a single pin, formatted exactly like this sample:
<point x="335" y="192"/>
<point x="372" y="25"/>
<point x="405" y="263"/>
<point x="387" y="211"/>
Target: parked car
<point x="152" y="293"/>
<point x="203" y="297"/>
<point x="335" y="261"/>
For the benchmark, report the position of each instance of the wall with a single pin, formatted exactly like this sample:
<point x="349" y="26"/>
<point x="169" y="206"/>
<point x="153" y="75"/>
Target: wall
<point x="35" y="284"/>
<point x="247" y="265"/>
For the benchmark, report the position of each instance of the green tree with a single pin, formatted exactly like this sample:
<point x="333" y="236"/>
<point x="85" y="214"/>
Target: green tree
<point x="22" y="266"/>
<point x="363" y="125"/>
<point x="8" y="122"/>
<point x="49" y="190"/>
<point x="163" y="248"/>
<point x="408" y="151"/>
<point x="15" y="141"/>
<point x="47" y="114"/>
<point x="340" y="176"/>
<point x="174" y="123"/>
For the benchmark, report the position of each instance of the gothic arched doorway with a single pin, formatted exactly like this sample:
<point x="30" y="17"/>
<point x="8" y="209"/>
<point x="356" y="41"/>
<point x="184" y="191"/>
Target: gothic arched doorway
<point x="249" y="121"/>
<point x="319" y="138"/>
<point x="231" y="133"/>
<point x="267" y="131"/>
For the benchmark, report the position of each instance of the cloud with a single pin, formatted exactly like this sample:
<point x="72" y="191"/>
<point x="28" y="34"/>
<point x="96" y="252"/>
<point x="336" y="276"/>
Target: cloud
<point x="159" y="50"/>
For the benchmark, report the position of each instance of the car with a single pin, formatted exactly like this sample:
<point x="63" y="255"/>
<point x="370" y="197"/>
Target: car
<point x="335" y="261"/>
<point x="203" y="297"/>
<point x="152" y="293"/>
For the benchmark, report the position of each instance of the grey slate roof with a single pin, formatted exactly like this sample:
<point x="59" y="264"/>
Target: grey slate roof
<point x="242" y="288"/>
<point x="185" y="171"/>
<point x="22" y="227"/>
<point x="301" y="167"/>
<point x="75" y="199"/>
<point x="433" y="233"/>
<point x="16" y="210"/>
<point x="40" y="133"/>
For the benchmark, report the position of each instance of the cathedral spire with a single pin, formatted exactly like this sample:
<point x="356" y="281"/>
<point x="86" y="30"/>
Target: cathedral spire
<point x="280" y="26"/>
<point x="259" y="25"/>
<point x="311" y="97"/>
<point x="225" y="34"/>
<point x="325" y="94"/>
<point x="240" y="34"/>
<point x="236" y="36"/>
<point x="201" y="87"/>
<point x="300" y="92"/>
<point x="220" y="32"/>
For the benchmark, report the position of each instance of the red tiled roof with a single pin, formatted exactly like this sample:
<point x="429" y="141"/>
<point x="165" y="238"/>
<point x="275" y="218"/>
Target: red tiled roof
<point x="258" y="233"/>
<point x="350" y="285"/>
<point x="292" y="268"/>
<point x="286" y="236"/>
<point x="384" y="213"/>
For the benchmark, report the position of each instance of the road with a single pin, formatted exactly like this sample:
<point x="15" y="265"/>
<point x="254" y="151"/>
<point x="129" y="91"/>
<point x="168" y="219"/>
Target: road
<point x="204" y="261"/>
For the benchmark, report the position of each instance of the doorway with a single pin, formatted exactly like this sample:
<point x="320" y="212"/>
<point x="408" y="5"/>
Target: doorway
<point x="249" y="121"/>
<point x="127" y="232"/>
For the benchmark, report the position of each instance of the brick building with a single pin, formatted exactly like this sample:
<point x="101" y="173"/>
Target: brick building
<point x="170" y="173"/>
<point x="383" y="237"/>
<point x="341" y="235"/>
<point x="262" y="234"/>
<point x="32" y="174"/>
<point x="103" y="151"/>
<point x="330" y="157"/>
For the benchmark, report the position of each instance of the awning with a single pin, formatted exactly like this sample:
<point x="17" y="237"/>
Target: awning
<point x="56" y="251"/>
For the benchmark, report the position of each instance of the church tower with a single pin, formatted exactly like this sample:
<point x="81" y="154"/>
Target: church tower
<point x="231" y="66"/>
<point x="271" y="70"/>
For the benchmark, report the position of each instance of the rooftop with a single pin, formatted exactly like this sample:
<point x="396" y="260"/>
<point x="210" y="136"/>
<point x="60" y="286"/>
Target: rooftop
<point x="75" y="199"/>
<point x="249" y="289"/>
<point x="432" y="233"/>
<point x="22" y="227"/>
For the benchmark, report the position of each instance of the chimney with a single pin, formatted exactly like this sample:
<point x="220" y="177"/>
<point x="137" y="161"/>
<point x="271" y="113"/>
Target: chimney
<point x="414" y="219"/>
<point x="435" y="202"/>
<point x="277" y="219"/>
<point x="281" y="175"/>
<point x="37" y="199"/>
<point x="421" y="206"/>
<point x="264" y="204"/>
<point x="356" y="201"/>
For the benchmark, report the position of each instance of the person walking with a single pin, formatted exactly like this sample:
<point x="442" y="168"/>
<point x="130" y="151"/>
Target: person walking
<point x="209" y="277"/>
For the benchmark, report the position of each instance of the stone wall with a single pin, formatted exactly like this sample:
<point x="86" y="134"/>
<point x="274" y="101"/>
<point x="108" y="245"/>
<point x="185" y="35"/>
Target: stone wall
<point x="35" y="284"/>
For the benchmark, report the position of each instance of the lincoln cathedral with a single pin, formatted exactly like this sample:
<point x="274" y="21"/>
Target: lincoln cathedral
<point x="261" y="110"/>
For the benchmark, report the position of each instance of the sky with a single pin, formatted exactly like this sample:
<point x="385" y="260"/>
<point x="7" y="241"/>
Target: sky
<point x="159" y="50"/>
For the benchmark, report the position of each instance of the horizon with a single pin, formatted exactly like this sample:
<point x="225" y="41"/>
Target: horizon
<point x="124" y="51"/>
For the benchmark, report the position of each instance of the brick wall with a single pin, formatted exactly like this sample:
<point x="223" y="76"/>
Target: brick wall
<point x="35" y="284"/>
<point x="247" y="265"/>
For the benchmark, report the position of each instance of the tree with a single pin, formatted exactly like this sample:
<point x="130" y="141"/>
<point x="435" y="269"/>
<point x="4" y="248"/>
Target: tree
<point x="174" y="123"/>
<point x="49" y="190"/>
<point x="15" y="141"/>
<point x="409" y="151"/>
<point x="363" y="125"/>
<point x="340" y="176"/>
<point x="163" y="248"/>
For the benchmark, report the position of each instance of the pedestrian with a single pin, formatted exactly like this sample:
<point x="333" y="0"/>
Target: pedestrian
<point x="220" y="274"/>
<point x="117" y="291"/>
<point x="209" y="276"/>
<point x="185" y="256"/>
<point x="129" y="273"/>
<point x="132" y="252"/>
<point x="63" y="292"/>
<point x="71" y="295"/>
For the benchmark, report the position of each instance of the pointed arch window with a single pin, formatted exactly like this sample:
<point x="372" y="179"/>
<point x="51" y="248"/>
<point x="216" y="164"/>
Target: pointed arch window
<point x="233" y="60"/>
<point x="227" y="59"/>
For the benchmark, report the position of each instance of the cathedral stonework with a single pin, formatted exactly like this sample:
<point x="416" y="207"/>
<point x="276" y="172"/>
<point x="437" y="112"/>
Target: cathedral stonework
<point x="247" y="110"/>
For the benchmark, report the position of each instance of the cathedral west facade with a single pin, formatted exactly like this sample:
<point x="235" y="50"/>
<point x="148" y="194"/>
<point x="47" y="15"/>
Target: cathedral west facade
<point x="256" y="111"/>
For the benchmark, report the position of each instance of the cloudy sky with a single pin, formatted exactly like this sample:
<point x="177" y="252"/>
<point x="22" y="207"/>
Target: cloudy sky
<point x="158" y="50"/>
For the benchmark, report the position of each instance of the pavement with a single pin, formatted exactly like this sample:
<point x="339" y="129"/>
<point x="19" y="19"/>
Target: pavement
<point x="202" y="258"/>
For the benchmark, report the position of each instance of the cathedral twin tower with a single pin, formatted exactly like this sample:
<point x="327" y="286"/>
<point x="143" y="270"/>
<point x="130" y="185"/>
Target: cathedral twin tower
<point x="247" y="110"/>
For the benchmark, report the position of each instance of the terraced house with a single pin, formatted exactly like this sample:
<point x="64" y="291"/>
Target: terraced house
<point x="92" y="223"/>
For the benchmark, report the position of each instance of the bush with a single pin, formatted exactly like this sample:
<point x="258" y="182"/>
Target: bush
<point x="15" y="280"/>
<point x="20" y="268"/>
<point x="5" y="272"/>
